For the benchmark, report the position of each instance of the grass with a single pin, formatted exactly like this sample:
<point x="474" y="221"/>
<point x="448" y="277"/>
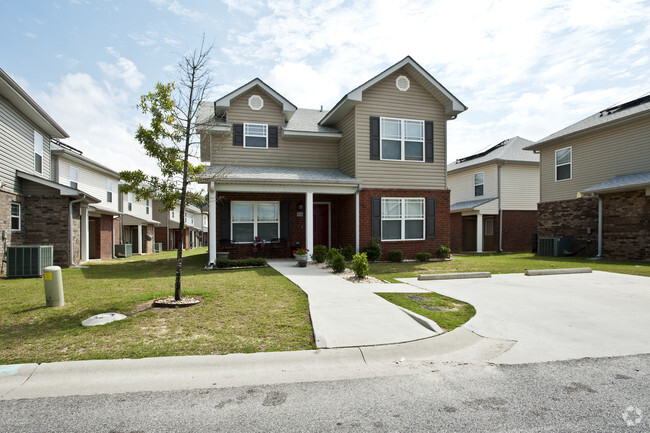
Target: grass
<point x="242" y="311"/>
<point x="502" y="264"/>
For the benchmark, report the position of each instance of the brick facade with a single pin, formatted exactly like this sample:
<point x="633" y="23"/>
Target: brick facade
<point x="518" y="229"/>
<point x="571" y="218"/>
<point x="456" y="227"/>
<point x="626" y="225"/>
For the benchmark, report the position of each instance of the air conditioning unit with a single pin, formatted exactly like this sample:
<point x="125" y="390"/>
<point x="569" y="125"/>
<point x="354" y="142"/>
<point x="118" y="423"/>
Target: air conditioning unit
<point x="28" y="260"/>
<point x="123" y="250"/>
<point x="157" y="247"/>
<point x="555" y="246"/>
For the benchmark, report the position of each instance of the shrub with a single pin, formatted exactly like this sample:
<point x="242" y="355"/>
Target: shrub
<point x="443" y="252"/>
<point x="395" y="255"/>
<point x="423" y="257"/>
<point x="338" y="263"/>
<point x="243" y="263"/>
<point x="360" y="265"/>
<point x="320" y="253"/>
<point x="348" y="253"/>
<point x="373" y="250"/>
<point x="331" y="254"/>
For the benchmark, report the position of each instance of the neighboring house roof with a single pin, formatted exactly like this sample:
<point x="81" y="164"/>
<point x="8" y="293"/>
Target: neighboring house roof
<point x="605" y="118"/>
<point x="469" y="205"/>
<point x="222" y="104"/>
<point x="58" y="148"/>
<point x="511" y="150"/>
<point x="63" y="190"/>
<point x="621" y="183"/>
<point x="10" y="90"/>
<point x="453" y="106"/>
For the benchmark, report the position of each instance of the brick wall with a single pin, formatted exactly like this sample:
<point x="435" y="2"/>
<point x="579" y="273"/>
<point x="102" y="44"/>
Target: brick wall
<point x="626" y="225"/>
<point x="570" y="218"/>
<point x="161" y="237"/>
<point x="456" y="227"/>
<point x="518" y="228"/>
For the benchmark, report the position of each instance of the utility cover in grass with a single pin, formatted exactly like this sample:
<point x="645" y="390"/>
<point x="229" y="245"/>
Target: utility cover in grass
<point x="102" y="319"/>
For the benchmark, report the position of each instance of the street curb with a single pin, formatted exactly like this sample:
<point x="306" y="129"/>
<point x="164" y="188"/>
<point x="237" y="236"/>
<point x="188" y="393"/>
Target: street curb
<point x="454" y="276"/>
<point x="538" y="272"/>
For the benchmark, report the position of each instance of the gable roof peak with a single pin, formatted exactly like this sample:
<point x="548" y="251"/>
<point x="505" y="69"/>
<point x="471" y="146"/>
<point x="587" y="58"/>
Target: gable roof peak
<point x="222" y="104"/>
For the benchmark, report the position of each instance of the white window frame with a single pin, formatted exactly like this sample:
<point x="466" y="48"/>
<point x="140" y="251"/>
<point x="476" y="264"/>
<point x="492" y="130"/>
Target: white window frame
<point x="74" y="177"/>
<point x="570" y="164"/>
<point x="13" y="217"/>
<point x="255" y="222"/>
<point x="109" y="191"/>
<point x="129" y="202"/>
<point x="146" y="206"/>
<point x="482" y="184"/>
<point x="265" y="127"/>
<point x="403" y="218"/>
<point x="173" y="215"/>
<point x="402" y="139"/>
<point x="38" y="150"/>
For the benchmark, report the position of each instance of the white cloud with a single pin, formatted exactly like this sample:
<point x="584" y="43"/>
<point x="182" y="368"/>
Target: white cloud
<point x="249" y="7"/>
<point x="123" y="69"/>
<point x="178" y="9"/>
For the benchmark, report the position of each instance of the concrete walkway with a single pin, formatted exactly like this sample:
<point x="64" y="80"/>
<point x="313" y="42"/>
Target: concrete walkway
<point x="345" y="314"/>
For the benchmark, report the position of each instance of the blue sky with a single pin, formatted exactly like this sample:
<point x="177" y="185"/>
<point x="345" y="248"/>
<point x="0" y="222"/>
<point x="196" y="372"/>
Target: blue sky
<point x="523" y="68"/>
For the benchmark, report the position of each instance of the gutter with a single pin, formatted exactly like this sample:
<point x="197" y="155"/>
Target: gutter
<point x="83" y="197"/>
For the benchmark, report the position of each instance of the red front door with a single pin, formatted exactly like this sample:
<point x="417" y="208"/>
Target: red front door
<point x="321" y="224"/>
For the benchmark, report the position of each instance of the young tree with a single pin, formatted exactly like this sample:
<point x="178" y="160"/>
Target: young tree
<point x="173" y="109"/>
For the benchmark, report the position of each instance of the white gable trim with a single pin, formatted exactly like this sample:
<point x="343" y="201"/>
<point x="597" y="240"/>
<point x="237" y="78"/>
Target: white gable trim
<point x="224" y="103"/>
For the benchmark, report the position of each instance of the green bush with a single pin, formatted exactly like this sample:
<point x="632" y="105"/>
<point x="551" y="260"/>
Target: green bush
<point x="443" y="252"/>
<point x="320" y="253"/>
<point x="360" y="265"/>
<point x="243" y="263"/>
<point x="373" y="250"/>
<point x="331" y="254"/>
<point x="423" y="257"/>
<point x="338" y="263"/>
<point x="395" y="256"/>
<point x="348" y="253"/>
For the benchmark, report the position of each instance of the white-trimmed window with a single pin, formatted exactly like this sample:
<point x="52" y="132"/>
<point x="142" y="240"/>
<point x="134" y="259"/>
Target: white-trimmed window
<point x="478" y="184"/>
<point x="256" y="135"/>
<point x="251" y="220"/>
<point x="15" y="217"/>
<point x="173" y="214"/>
<point x="402" y="219"/>
<point x="563" y="164"/>
<point x="38" y="152"/>
<point x="205" y="220"/>
<point x="146" y="206"/>
<point x="109" y="191"/>
<point x="129" y="201"/>
<point x="401" y="139"/>
<point x="74" y="177"/>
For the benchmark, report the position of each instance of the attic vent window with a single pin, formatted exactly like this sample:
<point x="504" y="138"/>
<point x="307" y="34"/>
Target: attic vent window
<point x="256" y="102"/>
<point x="402" y="83"/>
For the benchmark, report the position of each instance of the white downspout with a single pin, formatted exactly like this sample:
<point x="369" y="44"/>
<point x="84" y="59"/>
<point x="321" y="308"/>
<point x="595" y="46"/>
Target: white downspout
<point x="72" y="263"/>
<point x="356" y="221"/>
<point x="600" y="227"/>
<point x="500" y="210"/>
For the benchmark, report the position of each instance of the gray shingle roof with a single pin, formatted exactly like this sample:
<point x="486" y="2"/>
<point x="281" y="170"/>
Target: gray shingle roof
<point x="508" y="150"/>
<point x="471" y="204"/>
<point x="620" y="183"/>
<point x="278" y="175"/>
<point x="306" y="120"/>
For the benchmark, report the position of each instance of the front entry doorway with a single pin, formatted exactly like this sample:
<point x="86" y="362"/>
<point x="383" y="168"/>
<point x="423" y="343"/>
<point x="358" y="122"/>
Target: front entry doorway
<point x="322" y="224"/>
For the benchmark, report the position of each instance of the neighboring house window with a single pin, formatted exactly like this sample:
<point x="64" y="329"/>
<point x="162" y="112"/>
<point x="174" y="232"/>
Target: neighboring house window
<point x="251" y="220"/>
<point x="489" y="227"/>
<point x="74" y="177"/>
<point x="205" y="220"/>
<point x="146" y="209"/>
<point x="255" y="135"/>
<point x="129" y="201"/>
<point x="478" y="184"/>
<point x="185" y="217"/>
<point x="563" y="164"/>
<point x="402" y="140"/>
<point x="192" y="219"/>
<point x="173" y="215"/>
<point x="38" y="153"/>
<point x="402" y="219"/>
<point x="109" y="191"/>
<point x="15" y="216"/>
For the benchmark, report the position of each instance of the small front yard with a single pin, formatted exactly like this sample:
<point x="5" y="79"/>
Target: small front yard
<point x="252" y="310"/>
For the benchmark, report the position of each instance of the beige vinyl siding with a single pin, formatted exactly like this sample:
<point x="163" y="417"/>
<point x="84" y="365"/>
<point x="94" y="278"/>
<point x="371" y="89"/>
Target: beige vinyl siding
<point x="519" y="187"/>
<point x="595" y="158"/>
<point x="489" y="208"/>
<point x="17" y="146"/>
<point x="346" y="159"/>
<point x="384" y="100"/>
<point x="90" y="181"/>
<point x="461" y="184"/>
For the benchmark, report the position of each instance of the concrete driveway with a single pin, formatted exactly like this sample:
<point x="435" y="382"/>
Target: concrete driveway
<point x="556" y="317"/>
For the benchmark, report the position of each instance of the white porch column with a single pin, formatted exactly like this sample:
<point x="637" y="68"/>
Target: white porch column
<point x="309" y="223"/>
<point x="212" y="224"/>
<point x="139" y="243"/>
<point x="84" y="234"/>
<point x="479" y="233"/>
<point x="356" y="221"/>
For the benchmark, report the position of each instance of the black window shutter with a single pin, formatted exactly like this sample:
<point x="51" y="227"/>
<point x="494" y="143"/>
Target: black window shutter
<point x="428" y="141"/>
<point x="374" y="138"/>
<point x="375" y="206"/>
<point x="237" y="134"/>
<point x="224" y="220"/>
<point x="273" y="136"/>
<point x="284" y="219"/>
<point x="431" y="217"/>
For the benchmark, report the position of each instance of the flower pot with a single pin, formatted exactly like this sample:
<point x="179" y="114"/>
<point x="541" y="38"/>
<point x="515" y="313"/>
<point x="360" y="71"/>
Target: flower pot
<point x="302" y="260"/>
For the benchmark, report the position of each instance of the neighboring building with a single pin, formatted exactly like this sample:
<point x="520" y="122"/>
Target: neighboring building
<point x="34" y="210"/>
<point x="373" y="166"/>
<point x="595" y="182"/>
<point x="494" y="197"/>
<point x="137" y="223"/>
<point x="167" y="232"/>
<point x="204" y="225"/>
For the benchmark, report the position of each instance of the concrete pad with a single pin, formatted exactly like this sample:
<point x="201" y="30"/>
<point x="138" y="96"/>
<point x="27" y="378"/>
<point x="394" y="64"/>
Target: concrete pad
<point x="537" y="272"/>
<point x="454" y="276"/>
<point x="103" y="319"/>
<point x="13" y="376"/>
<point x="557" y="317"/>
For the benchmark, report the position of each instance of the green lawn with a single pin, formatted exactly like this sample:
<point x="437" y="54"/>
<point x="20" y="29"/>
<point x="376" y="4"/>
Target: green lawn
<point x="252" y="310"/>
<point x="502" y="264"/>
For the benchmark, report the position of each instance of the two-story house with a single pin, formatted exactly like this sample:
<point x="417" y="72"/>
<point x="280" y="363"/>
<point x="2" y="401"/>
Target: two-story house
<point x="167" y="232"/>
<point x="595" y="183"/>
<point x="137" y="223"/>
<point x="34" y="209"/>
<point x="372" y="166"/>
<point x="494" y="197"/>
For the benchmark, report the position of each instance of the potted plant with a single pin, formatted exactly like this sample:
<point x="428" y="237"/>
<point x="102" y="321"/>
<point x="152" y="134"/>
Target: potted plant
<point x="301" y="255"/>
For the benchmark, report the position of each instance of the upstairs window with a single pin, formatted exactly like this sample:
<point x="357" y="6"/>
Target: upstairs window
<point x="15" y="217"/>
<point x="146" y="206"/>
<point x="402" y="219"/>
<point x="173" y="215"/>
<point x="129" y="201"/>
<point x="563" y="164"/>
<point x="109" y="191"/>
<point x="256" y="135"/>
<point x="38" y="153"/>
<point x="478" y="184"/>
<point x="402" y="140"/>
<point x="74" y="177"/>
